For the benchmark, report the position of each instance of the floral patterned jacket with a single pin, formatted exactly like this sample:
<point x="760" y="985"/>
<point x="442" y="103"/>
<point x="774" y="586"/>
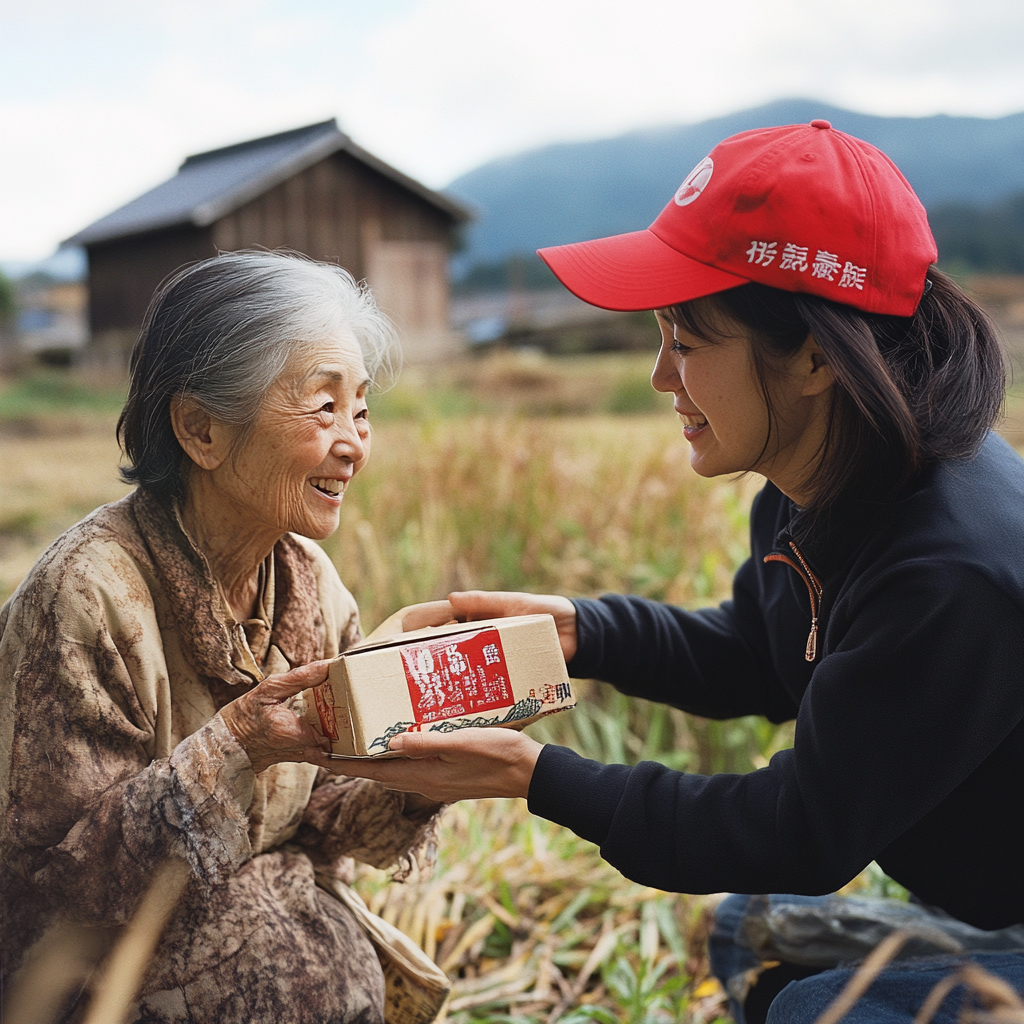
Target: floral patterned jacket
<point x="116" y="653"/>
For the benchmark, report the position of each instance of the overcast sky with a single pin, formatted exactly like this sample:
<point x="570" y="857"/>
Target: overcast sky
<point x="101" y="99"/>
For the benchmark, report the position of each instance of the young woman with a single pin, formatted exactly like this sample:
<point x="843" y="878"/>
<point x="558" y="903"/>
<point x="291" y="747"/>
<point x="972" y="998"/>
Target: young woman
<point x="806" y="336"/>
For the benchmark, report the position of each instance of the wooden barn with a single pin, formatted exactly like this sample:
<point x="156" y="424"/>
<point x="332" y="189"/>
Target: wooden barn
<point x="312" y="190"/>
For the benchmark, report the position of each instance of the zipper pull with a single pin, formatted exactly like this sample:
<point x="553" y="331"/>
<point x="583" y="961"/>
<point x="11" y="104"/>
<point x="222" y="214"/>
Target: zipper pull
<point x="811" y="651"/>
<point x="814" y="591"/>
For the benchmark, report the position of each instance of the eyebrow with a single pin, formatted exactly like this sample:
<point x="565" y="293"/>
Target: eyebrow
<point x="334" y="377"/>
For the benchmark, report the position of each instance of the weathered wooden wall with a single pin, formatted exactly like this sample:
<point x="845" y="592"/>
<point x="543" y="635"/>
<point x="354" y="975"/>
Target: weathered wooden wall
<point x="316" y="212"/>
<point x="124" y="274"/>
<point x="339" y="210"/>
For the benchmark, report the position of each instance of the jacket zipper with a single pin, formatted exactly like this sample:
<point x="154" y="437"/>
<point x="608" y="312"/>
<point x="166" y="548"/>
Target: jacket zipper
<point x="814" y="589"/>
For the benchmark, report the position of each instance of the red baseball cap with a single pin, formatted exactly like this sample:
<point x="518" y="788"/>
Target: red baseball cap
<point x="804" y="208"/>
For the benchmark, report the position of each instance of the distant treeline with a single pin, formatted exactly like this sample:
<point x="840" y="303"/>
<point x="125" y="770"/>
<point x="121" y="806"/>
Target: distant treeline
<point x="6" y="298"/>
<point x="980" y="239"/>
<point x="527" y="273"/>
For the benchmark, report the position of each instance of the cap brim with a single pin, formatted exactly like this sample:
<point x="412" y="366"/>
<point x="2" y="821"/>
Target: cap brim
<point x="634" y="271"/>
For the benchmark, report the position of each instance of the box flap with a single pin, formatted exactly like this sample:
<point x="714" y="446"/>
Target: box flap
<point x="432" y="632"/>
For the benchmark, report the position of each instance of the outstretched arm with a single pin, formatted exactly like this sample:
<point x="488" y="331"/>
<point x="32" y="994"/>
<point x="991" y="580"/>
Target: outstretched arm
<point x="466" y="765"/>
<point x="473" y="605"/>
<point x="470" y="605"/>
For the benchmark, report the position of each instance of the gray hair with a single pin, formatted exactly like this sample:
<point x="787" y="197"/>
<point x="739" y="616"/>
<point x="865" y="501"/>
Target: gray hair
<point x="221" y="332"/>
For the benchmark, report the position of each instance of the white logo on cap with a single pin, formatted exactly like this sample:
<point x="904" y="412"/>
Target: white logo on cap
<point x="695" y="183"/>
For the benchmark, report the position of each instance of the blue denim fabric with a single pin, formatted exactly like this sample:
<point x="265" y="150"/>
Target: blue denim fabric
<point x="893" y="998"/>
<point x="896" y="995"/>
<point x="729" y="958"/>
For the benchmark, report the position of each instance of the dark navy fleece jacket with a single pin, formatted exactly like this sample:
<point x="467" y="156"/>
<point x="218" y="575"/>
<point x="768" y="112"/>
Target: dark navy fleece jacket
<point x="909" y="724"/>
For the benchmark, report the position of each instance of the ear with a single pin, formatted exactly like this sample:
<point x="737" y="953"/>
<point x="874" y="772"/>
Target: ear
<point x="205" y="440"/>
<point x="812" y="364"/>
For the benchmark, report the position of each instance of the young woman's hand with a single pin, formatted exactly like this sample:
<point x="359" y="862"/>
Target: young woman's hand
<point x="466" y="765"/>
<point x="470" y="605"/>
<point x="268" y="729"/>
<point x="414" y="616"/>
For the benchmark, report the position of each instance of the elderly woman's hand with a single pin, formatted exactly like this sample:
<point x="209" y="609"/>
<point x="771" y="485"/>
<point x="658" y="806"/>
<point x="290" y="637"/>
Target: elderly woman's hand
<point x="268" y="729"/>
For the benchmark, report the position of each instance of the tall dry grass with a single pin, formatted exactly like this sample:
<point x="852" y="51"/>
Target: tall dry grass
<point x="479" y="478"/>
<point x="577" y="506"/>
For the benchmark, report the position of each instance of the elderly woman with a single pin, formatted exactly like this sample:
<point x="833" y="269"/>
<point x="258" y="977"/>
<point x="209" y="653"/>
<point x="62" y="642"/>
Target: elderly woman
<point x="150" y="660"/>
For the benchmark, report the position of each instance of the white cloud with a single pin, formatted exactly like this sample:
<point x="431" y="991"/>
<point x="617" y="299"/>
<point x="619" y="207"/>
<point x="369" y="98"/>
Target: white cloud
<point x="100" y="99"/>
<point x="495" y="78"/>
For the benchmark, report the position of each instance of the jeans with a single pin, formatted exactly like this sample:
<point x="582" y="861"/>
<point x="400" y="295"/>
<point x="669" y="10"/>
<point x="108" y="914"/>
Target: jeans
<point x="797" y="994"/>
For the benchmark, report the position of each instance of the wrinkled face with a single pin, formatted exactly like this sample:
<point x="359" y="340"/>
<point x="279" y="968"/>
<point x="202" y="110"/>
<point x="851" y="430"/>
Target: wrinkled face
<point x="312" y="436"/>
<point x="723" y="411"/>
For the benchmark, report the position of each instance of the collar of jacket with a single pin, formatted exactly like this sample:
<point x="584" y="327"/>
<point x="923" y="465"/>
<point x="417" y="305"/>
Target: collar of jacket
<point x="826" y="559"/>
<point x="795" y="559"/>
<point x="211" y="640"/>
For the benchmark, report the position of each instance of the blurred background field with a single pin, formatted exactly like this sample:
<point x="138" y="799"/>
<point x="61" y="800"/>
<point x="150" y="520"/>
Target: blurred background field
<point x="511" y="471"/>
<point x="540" y="458"/>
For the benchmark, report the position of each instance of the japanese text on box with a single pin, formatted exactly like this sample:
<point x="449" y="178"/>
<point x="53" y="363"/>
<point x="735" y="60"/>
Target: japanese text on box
<point x="457" y="675"/>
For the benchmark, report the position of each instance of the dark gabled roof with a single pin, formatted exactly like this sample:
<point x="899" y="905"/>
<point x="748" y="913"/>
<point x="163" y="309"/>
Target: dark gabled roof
<point x="210" y="185"/>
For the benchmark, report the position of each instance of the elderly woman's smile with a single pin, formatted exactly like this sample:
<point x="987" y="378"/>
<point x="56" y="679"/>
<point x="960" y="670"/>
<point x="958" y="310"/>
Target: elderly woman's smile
<point x="312" y="436"/>
<point x="287" y="473"/>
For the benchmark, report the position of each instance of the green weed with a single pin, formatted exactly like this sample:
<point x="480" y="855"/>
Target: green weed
<point x="46" y="393"/>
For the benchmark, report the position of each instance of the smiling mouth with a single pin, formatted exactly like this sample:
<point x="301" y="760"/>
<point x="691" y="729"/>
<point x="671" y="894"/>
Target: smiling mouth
<point x="693" y="423"/>
<point x="325" y="485"/>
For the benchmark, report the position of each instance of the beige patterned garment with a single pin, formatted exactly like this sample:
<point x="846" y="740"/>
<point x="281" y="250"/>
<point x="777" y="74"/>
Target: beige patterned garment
<point x="116" y="653"/>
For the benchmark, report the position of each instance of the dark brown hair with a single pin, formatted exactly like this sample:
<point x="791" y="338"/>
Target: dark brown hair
<point x="909" y="391"/>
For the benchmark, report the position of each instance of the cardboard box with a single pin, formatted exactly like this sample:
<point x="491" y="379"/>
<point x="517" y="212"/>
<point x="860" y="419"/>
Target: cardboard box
<point x="496" y="672"/>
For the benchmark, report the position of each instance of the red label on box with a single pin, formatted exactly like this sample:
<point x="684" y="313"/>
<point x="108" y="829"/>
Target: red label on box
<point x="323" y="696"/>
<point x="458" y="675"/>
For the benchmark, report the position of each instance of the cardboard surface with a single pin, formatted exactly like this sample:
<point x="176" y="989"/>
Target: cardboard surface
<point x="496" y="672"/>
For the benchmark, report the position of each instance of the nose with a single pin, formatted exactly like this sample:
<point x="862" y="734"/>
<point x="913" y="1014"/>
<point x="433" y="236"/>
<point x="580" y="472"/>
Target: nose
<point x="665" y="376"/>
<point x="351" y="442"/>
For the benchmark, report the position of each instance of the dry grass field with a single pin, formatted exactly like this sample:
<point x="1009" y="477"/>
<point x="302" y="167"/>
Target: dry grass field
<point x="509" y="473"/>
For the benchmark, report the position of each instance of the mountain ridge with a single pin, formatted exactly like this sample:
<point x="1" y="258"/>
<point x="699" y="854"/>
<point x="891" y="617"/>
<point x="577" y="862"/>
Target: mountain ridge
<point x="570" y="191"/>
